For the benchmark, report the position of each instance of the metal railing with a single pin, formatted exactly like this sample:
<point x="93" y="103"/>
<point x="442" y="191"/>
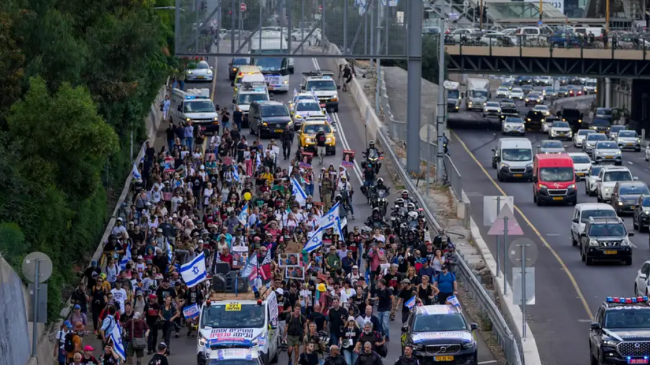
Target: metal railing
<point x="396" y="128"/>
<point x="498" y="325"/>
<point x="454" y="177"/>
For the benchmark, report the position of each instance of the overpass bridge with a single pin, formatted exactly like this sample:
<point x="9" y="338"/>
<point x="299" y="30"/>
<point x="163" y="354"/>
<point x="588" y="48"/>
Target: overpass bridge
<point x="540" y="58"/>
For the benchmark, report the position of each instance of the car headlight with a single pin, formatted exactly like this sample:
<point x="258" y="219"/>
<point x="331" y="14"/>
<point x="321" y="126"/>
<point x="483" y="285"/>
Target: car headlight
<point x="646" y="212"/>
<point x="265" y="124"/>
<point x="309" y="140"/>
<point x="638" y="140"/>
<point x="607" y="190"/>
<point x="504" y="165"/>
<point x="528" y="119"/>
<point x="417" y="347"/>
<point x="189" y="72"/>
<point x="202" y="340"/>
<point x="529" y="166"/>
<point x="527" y="99"/>
<point x="610" y="343"/>
<point x="625" y="242"/>
<point x="593" y="242"/>
<point x="209" y="72"/>
<point x="334" y="99"/>
<point x="620" y="203"/>
<point x="187" y="119"/>
<point x="328" y="140"/>
<point x="469" y="345"/>
<point x="285" y="82"/>
<point x="572" y="186"/>
<point x="298" y="116"/>
<point x="541" y="187"/>
<point x="618" y="152"/>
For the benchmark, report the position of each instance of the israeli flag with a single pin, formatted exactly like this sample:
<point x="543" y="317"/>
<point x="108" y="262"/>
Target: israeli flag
<point x="116" y="337"/>
<point x="259" y="160"/>
<point x="126" y="258"/>
<point x="410" y="303"/>
<point x="135" y="172"/>
<point x="316" y="240"/>
<point x="235" y="174"/>
<point x="170" y="253"/>
<point x="193" y="272"/>
<point x="331" y="216"/>
<point x="340" y="224"/>
<point x="243" y="216"/>
<point x="298" y="193"/>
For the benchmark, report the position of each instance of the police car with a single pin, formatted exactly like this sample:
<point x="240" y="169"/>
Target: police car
<point x="248" y="93"/>
<point x="234" y="357"/>
<point x="304" y="109"/>
<point x="620" y="332"/>
<point x="322" y="85"/>
<point x="297" y="97"/>
<point x="194" y="105"/>
<point x="440" y="334"/>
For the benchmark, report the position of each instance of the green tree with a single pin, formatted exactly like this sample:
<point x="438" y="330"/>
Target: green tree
<point x="63" y="140"/>
<point x="12" y="243"/>
<point x="12" y="62"/>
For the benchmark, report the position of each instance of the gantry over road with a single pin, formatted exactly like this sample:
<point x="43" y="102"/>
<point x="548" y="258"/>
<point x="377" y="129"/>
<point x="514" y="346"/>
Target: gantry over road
<point x="627" y="59"/>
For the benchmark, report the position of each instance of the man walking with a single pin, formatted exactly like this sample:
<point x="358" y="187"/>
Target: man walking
<point x="287" y="139"/>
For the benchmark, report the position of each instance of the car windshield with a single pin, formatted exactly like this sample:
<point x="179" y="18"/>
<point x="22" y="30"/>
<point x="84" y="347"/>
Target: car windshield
<point x="606" y="145"/>
<point x="646" y="201"/>
<point x="580" y="159"/>
<point x="561" y="125"/>
<point x="503" y="89"/>
<point x="514" y="120"/>
<point x="269" y="64"/>
<point x="218" y="316"/>
<point x="453" y="94"/>
<point x="308" y="107"/>
<point x="315" y="128"/>
<point x="584" y="132"/>
<point x="516" y="90"/>
<point x="202" y="65"/>
<point x="199" y="107"/>
<point x="531" y="95"/>
<point x="627" y="134"/>
<point x="233" y="362"/>
<point x="439" y="322"/>
<point x="321" y="85"/>
<point x="596" y="137"/>
<point x="600" y="122"/>
<point x="541" y="107"/>
<point x="492" y="104"/>
<point x="304" y="97"/>
<point x="479" y="93"/>
<point x="603" y="111"/>
<point x="275" y="111"/>
<point x="617" y="128"/>
<point x="552" y="144"/>
<point x="240" y="61"/>
<point x="607" y="230"/>
<point x="638" y="189"/>
<point x="597" y="213"/>
<point x="247" y="99"/>
<point x="620" y="175"/>
<point x="627" y="318"/>
<point x="516" y="154"/>
<point x="595" y="170"/>
<point x="556" y="174"/>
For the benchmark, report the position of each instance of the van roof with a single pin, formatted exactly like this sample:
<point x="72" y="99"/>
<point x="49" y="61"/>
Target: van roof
<point x="516" y="142"/>
<point x="554" y="160"/>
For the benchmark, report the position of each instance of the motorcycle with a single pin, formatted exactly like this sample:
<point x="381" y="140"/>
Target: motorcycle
<point x="374" y="157"/>
<point x="379" y="201"/>
<point x="372" y="224"/>
<point x="397" y="216"/>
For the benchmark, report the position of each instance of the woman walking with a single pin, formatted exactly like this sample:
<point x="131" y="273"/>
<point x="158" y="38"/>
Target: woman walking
<point x="168" y="313"/>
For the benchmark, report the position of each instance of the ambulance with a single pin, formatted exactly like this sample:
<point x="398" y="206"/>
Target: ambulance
<point x="229" y="321"/>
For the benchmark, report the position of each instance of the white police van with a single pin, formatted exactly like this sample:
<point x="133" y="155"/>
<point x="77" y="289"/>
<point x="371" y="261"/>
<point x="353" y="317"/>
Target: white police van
<point x="239" y="322"/>
<point x="194" y="105"/>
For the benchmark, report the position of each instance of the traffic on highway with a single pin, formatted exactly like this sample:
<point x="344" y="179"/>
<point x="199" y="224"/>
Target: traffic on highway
<point x="579" y="182"/>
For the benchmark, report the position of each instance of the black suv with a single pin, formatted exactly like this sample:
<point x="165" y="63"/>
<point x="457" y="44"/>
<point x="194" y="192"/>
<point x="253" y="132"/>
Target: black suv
<point x="641" y="213"/>
<point x="440" y="334"/>
<point x="269" y="118"/>
<point x="620" y="332"/>
<point x="626" y="194"/>
<point x="605" y="239"/>
<point x="534" y="120"/>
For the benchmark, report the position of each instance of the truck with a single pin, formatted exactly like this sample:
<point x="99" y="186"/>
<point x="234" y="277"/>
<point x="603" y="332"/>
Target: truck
<point x="478" y="92"/>
<point x="453" y="96"/>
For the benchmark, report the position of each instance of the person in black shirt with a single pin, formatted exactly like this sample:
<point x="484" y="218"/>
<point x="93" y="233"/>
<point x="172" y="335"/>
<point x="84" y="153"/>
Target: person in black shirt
<point x="287" y="139"/>
<point x="164" y="291"/>
<point x="160" y="358"/>
<point x="170" y="136"/>
<point x="238" y="118"/>
<point x="317" y="317"/>
<point x="405" y="295"/>
<point x="151" y="317"/>
<point x="109" y="357"/>
<point x="384" y="296"/>
<point x="293" y="296"/>
<point x="309" y="357"/>
<point x="337" y="318"/>
<point x="90" y="278"/>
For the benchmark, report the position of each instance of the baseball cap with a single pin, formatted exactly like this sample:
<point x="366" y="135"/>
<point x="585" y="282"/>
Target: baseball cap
<point x="350" y="318"/>
<point x="355" y="267"/>
<point x="279" y="291"/>
<point x="162" y="346"/>
<point x="406" y="281"/>
<point x="77" y="306"/>
<point x="88" y="348"/>
<point x="68" y="324"/>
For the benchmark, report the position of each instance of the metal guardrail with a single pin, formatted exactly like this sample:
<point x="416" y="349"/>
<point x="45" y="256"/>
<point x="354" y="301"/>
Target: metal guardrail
<point x="454" y="177"/>
<point x="396" y="128"/>
<point x="499" y="328"/>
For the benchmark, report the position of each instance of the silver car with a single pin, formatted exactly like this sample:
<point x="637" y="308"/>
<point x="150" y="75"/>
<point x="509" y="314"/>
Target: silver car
<point x="613" y="131"/>
<point x="591" y="140"/>
<point x="580" y="136"/>
<point x="517" y="94"/>
<point x="513" y="125"/>
<point x="607" y="151"/>
<point x="550" y="146"/>
<point x="629" y="140"/>
<point x="560" y="130"/>
<point x="202" y="72"/>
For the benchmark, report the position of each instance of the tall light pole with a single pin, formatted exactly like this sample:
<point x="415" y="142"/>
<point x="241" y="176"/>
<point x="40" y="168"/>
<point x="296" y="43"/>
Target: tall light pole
<point x="607" y="16"/>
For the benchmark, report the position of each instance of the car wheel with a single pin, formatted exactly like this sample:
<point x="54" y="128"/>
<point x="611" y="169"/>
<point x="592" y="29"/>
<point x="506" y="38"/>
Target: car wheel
<point x="582" y="254"/>
<point x="634" y="224"/>
<point x="573" y="240"/>
<point x="499" y="177"/>
<point x="588" y="260"/>
<point x="628" y="261"/>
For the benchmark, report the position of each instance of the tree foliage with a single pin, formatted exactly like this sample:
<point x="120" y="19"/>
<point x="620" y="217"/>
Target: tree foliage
<point x="76" y="77"/>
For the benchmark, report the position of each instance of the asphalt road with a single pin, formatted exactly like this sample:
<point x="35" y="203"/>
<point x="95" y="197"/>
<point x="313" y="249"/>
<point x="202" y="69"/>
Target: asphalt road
<point x="567" y="291"/>
<point x="350" y="135"/>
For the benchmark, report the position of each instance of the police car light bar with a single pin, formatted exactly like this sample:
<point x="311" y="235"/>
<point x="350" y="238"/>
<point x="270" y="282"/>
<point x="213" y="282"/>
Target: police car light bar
<point x="643" y="299"/>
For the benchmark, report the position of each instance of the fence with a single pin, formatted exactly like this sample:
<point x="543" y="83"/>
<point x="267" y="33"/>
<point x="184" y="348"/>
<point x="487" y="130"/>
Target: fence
<point x="499" y="327"/>
<point x="453" y="177"/>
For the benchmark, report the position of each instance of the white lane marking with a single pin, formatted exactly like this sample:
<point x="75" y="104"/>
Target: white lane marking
<point x="630" y="162"/>
<point x="487" y="362"/>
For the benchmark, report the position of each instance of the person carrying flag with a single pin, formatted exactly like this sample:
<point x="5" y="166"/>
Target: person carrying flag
<point x="406" y="299"/>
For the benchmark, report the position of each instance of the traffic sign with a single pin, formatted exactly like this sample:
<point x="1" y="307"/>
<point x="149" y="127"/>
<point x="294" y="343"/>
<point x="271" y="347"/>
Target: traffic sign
<point x="320" y="8"/>
<point x="498" y="227"/>
<point x="531" y="253"/>
<point x="44" y="267"/>
<point x="518" y="289"/>
<point x="491" y="210"/>
<point x="242" y="7"/>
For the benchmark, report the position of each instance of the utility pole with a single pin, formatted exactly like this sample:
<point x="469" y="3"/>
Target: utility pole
<point x="440" y="125"/>
<point x="607" y="16"/>
<point x="541" y="9"/>
<point x="414" y="102"/>
<point x="480" y="16"/>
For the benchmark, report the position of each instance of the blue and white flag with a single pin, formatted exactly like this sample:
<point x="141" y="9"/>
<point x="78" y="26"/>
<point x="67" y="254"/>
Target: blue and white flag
<point x="235" y="174"/>
<point x="259" y="161"/>
<point x="295" y="92"/>
<point x="316" y="240"/>
<point x="116" y="337"/>
<point x="126" y="258"/>
<point x="330" y="217"/>
<point x="170" y="253"/>
<point x="193" y="272"/>
<point x="243" y="216"/>
<point x="298" y="192"/>
<point x="410" y="303"/>
<point x="135" y="172"/>
<point x="191" y="311"/>
<point x="340" y="224"/>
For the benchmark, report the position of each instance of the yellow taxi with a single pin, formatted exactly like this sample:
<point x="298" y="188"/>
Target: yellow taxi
<point x="307" y="136"/>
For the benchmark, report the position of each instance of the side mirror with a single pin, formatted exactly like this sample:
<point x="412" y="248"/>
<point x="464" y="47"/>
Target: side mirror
<point x="180" y="108"/>
<point x="493" y="150"/>
<point x="473" y="326"/>
<point x="635" y="178"/>
<point x="273" y="327"/>
<point x="575" y="221"/>
<point x="595" y="326"/>
<point x="631" y="234"/>
<point x="539" y="146"/>
<point x="535" y="179"/>
<point x="291" y="70"/>
<point x="583" y="234"/>
<point x="636" y="205"/>
<point x="598" y="179"/>
<point x="302" y="87"/>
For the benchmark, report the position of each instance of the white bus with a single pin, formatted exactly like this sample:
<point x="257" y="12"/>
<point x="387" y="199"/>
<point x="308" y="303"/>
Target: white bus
<point x="276" y="70"/>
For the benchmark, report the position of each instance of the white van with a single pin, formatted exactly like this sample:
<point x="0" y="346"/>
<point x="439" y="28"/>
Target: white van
<point x="194" y="105"/>
<point x="581" y="214"/>
<point x="242" y="322"/>
<point x="513" y="159"/>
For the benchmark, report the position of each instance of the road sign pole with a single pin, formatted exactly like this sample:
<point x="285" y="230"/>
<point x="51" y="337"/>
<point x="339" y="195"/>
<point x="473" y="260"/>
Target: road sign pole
<point x="498" y="247"/>
<point x="505" y="263"/>
<point x="35" y="308"/>
<point x="523" y="290"/>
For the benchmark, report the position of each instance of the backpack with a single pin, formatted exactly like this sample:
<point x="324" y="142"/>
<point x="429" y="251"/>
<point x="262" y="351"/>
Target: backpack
<point x="68" y="343"/>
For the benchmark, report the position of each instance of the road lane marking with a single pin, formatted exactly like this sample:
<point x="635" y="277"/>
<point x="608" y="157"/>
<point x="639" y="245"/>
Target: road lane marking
<point x="535" y="230"/>
<point x="214" y="79"/>
<point x="487" y="362"/>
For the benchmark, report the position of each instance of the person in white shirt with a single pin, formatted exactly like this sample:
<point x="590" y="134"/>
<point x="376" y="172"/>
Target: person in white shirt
<point x="354" y="276"/>
<point x="119" y="295"/>
<point x="119" y="228"/>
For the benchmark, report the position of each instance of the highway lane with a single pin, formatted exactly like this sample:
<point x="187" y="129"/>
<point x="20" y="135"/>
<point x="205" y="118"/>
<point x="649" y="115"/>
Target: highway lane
<point x="567" y="290"/>
<point x="352" y="134"/>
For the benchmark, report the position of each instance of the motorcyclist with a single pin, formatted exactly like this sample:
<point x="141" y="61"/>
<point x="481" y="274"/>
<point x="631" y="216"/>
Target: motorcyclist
<point x="345" y="192"/>
<point x="442" y="240"/>
<point x="376" y="218"/>
<point x="369" y="175"/>
<point x="407" y="199"/>
<point x="381" y="186"/>
<point x="371" y="147"/>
